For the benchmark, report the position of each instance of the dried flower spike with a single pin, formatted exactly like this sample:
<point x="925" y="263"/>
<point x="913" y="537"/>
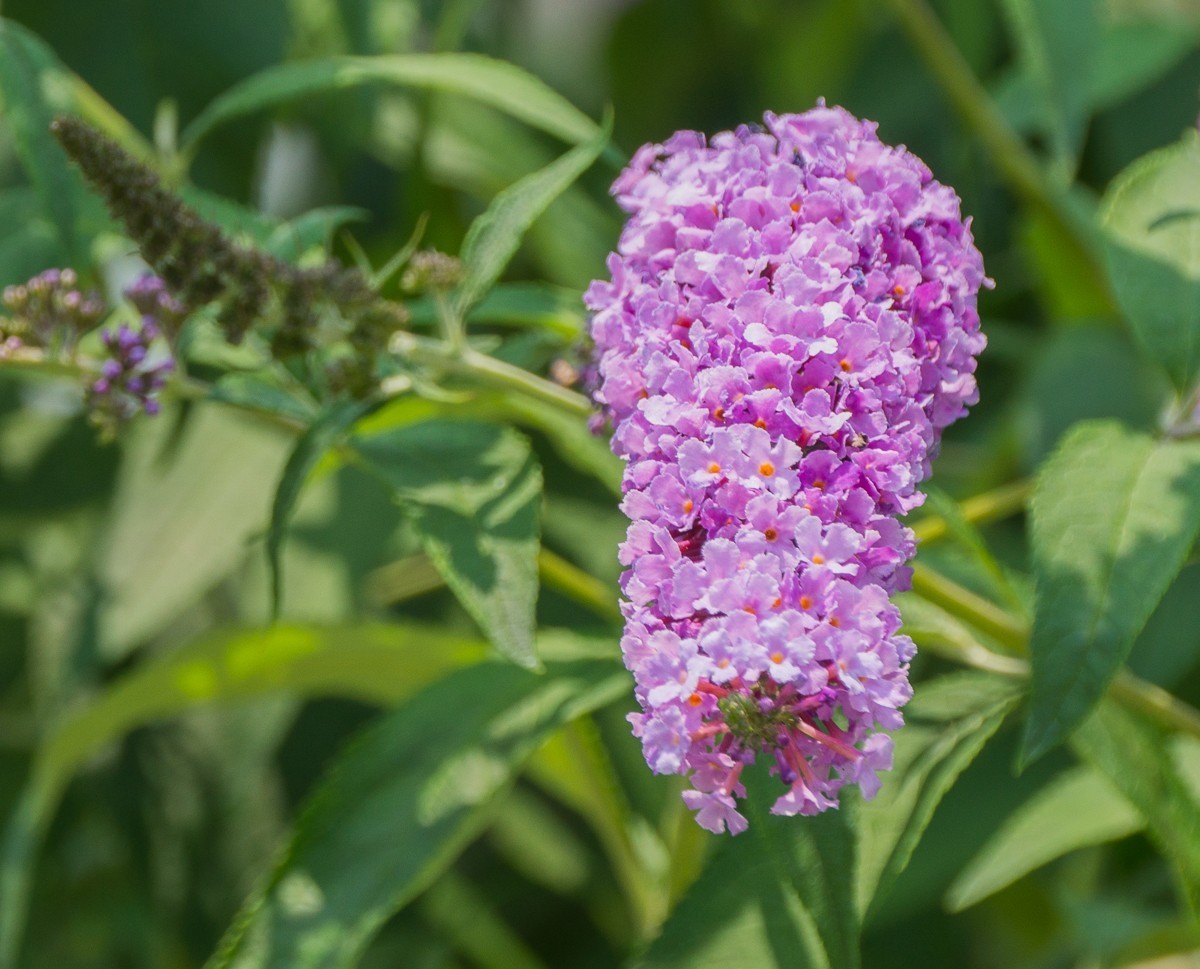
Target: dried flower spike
<point x="790" y="324"/>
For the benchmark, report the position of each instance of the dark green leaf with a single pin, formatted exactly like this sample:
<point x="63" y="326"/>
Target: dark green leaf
<point x="496" y="235"/>
<point x="473" y="494"/>
<point x="1075" y="810"/>
<point x="779" y="896"/>
<point x="1058" y="43"/>
<point x="34" y="89"/>
<point x="321" y="435"/>
<point x="496" y="83"/>
<point x="1112" y="518"/>
<point x="1135" y="758"/>
<point x="399" y="806"/>
<point x="1151" y="214"/>
<point x="946" y="725"/>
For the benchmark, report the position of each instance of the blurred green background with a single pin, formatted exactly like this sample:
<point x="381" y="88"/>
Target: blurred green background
<point x="112" y="554"/>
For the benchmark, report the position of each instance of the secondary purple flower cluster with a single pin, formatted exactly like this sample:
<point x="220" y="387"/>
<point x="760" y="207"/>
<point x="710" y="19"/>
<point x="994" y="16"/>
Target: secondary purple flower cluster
<point x="136" y="366"/>
<point x="790" y="324"/>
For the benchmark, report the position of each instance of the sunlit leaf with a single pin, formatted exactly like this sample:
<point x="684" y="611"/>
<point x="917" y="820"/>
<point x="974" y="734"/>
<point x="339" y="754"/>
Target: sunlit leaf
<point x="1112" y="518"/>
<point x="473" y="494"/>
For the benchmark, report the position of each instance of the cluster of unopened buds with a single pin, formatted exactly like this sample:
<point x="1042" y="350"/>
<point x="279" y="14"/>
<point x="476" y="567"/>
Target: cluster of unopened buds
<point x="48" y="312"/>
<point x="48" y="315"/>
<point x="790" y="324"/>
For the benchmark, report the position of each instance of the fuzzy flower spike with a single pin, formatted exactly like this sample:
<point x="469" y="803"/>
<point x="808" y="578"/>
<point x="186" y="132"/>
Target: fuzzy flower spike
<point x="790" y="324"/>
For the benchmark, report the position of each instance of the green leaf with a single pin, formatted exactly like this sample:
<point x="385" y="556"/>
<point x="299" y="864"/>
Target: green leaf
<point x="1130" y="55"/>
<point x="400" y="804"/>
<point x="463" y="915"/>
<point x="473" y="494"/>
<point x="946" y="726"/>
<point x="496" y="83"/>
<point x="779" y="896"/>
<point x="375" y="663"/>
<point x="34" y="88"/>
<point x="1058" y="43"/>
<point x="320" y="436"/>
<point x="313" y="229"/>
<point x="534" y="305"/>
<point x="182" y="516"/>
<point x="1151" y="214"/>
<point x="1112" y="517"/>
<point x="570" y="436"/>
<point x="262" y="391"/>
<point x="496" y="235"/>
<point x="1075" y="810"/>
<point x="1132" y="754"/>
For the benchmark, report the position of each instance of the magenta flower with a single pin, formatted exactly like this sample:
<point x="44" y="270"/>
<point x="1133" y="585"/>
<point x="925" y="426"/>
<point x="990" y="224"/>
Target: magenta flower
<point x="790" y="324"/>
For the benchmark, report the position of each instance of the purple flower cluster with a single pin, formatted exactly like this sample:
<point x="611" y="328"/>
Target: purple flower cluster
<point x="150" y="297"/>
<point x="790" y="324"/>
<point x="131" y="376"/>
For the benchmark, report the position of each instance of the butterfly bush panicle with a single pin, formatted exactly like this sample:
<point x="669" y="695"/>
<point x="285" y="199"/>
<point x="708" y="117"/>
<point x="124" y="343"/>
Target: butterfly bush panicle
<point x="790" y="323"/>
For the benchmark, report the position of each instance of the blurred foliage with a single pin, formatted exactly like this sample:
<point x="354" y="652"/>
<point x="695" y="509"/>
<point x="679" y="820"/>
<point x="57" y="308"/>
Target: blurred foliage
<point x="164" y="760"/>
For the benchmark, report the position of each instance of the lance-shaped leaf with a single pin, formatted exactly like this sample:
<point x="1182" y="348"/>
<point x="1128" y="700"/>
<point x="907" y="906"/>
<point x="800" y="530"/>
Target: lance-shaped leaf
<point x="321" y="435"/>
<point x="495" y="83"/>
<point x="1151" y="214"/>
<point x="1075" y="810"/>
<point x="946" y="726"/>
<point x="1113" y="515"/>
<point x="495" y="236"/>
<point x="473" y="493"/>
<point x="779" y="896"/>
<point x="400" y="804"/>
<point x="1058" y="45"/>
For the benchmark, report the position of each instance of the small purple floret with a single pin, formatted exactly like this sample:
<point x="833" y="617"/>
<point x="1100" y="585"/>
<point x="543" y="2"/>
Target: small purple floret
<point x="133" y="373"/>
<point x="790" y="323"/>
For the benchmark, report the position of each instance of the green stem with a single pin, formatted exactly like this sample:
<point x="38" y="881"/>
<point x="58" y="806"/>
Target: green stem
<point x="972" y="609"/>
<point x="559" y="574"/>
<point x="1016" y="164"/>
<point x="978" y="510"/>
<point x="1129" y="690"/>
<point x="490" y="372"/>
